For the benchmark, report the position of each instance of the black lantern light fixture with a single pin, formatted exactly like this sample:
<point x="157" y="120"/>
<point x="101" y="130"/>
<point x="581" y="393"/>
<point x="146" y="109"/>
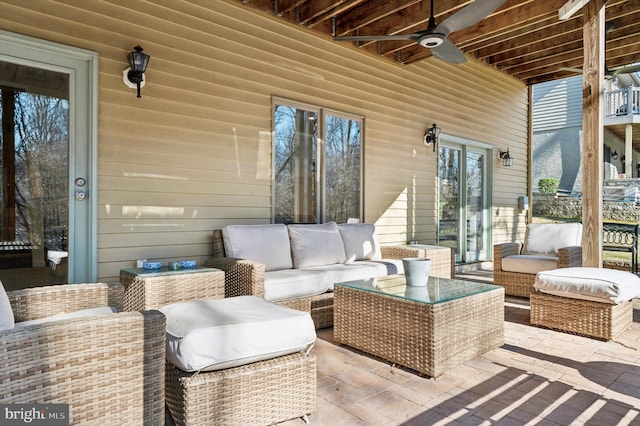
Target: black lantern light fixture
<point x="507" y="159"/>
<point x="134" y="76"/>
<point x="432" y="136"/>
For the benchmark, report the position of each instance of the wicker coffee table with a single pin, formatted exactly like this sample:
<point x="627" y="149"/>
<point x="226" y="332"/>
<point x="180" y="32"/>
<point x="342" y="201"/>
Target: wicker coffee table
<point x="428" y="329"/>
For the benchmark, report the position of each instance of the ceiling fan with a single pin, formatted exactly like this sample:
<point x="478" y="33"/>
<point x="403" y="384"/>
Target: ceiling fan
<point x="435" y="36"/>
<point x="608" y="73"/>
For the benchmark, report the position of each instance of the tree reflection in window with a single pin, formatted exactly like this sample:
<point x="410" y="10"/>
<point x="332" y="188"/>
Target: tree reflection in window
<point x="314" y="181"/>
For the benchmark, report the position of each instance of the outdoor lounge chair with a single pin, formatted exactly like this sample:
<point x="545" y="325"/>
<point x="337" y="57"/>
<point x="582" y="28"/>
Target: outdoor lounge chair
<point x="108" y="367"/>
<point x="547" y="246"/>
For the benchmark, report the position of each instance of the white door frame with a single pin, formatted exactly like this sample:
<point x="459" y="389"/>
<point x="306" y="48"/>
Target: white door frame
<point x="82" y="67"/>
<point x="470" y="145"/>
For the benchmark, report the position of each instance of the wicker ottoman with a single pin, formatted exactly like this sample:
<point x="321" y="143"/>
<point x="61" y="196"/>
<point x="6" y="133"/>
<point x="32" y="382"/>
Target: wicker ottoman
<point x="593" y="302"/>
<point x="239" y="360"/>
<point x="261" y="393"/>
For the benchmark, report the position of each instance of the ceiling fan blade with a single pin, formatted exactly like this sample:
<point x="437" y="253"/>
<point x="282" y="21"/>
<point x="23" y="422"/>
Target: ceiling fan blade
<point x="468" y="16"/>
<point x="376" y="38"/>
<point x="448" y="51"/>
<point x="569" y="69"/>
<point x="629" y="69"/>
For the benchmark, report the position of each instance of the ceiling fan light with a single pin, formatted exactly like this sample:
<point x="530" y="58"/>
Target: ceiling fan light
<point x="431" y="40"/>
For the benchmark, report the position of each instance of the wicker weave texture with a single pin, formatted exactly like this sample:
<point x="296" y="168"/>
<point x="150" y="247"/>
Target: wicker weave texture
<point x="40" y="302"/>
<point x="442" y="264"/>
<point x="108" y="368"/>
<point x="604" y="321"/>
<point x="151" y="292"/>
<point x="429" y="338"/>
<point x="262" y="393"/>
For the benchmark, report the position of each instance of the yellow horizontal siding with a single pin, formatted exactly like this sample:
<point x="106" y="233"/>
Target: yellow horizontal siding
<point x="198" y="142"/>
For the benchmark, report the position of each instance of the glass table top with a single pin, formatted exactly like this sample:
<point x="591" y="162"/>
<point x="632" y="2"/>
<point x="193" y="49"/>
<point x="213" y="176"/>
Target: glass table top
<point x="437" y="290"/>
<point x="165" y="271"/>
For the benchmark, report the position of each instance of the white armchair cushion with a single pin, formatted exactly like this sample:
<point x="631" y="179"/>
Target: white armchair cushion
<point x="547" y="238"/>
<point x="595" y="284"/>
<point x="360" y="241"/>
<point x="208" y="335"/>
<point x="315" y="245"/>
<point x="7" y="321"/>
<point x="529" y="264"/>
<point x="267" y="244"/>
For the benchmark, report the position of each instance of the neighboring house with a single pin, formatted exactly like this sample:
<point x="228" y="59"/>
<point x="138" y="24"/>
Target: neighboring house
<point x="557" y="135"/>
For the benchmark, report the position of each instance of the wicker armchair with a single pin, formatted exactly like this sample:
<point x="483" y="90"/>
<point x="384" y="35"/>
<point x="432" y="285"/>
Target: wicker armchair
<point x="519" y="281"/>
<point x="108" y="368"/>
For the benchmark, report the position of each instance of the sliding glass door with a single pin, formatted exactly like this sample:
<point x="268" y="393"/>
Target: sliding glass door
<point x="464" y="200"/>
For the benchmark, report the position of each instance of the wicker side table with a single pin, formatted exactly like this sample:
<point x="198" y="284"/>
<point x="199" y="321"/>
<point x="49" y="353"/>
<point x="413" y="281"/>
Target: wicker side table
<point x="442" y="259"/>
<point x="150" y="290"/>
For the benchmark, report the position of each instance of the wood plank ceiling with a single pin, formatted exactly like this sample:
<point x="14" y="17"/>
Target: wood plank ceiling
<point x="523" y="38"/>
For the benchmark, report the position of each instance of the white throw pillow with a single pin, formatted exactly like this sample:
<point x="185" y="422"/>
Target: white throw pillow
<point x="267" y="244"/>
<point x="315" y="245"/>
<point x="7" y="321"/>
<point x="547" y="238"/>
<point x="360" y="241"/>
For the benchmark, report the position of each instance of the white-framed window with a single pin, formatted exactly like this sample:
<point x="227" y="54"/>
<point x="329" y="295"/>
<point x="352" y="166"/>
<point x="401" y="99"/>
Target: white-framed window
<point x="317" y="164"/>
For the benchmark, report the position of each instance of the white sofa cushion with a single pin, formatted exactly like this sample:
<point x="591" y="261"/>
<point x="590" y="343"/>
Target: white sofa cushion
<point x="338" y="273"/>
<point x="90" y="312"/>
<point x="547" y="238"/>
<point x="529" y="264"/>
<point x="7" y="321"/>
<point x="314" y="245"/>
<point x="595" y="284"/>
<point x="384" y="266"/>
<point x="208" y="335"/>
<point x="292" y="283"/>
<point x="267" y="244"/>
<point x="360" y="241"/>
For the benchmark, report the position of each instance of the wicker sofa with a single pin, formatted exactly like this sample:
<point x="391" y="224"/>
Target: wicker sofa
<point x="109" y="368"/>
<point x="546" y="247"/>
<point x="352" y="253"/>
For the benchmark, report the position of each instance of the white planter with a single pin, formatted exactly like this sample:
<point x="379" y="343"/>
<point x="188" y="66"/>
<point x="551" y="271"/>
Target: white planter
<point x="416" y="271"/>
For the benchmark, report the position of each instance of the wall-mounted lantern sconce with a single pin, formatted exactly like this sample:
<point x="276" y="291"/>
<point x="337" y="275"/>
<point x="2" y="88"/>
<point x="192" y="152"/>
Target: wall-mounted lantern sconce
<point x="432" y="136"/>
<point x="133" y="76"/>
<point x="614" y="155"/>
<point x="507" y="159"/>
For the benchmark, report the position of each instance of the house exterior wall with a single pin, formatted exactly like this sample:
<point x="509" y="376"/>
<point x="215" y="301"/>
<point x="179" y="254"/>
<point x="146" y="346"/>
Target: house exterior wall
<point x="557" y="135"/>
<point x="194" y="153"/>
<point x="557" y="130"/>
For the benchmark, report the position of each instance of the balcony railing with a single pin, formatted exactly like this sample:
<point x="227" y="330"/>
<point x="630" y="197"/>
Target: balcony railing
<point x="622" y="102"/>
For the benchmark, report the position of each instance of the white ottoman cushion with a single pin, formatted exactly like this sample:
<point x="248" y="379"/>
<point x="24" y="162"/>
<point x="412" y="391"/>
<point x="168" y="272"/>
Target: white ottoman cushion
<point x="595" y="284"/>
<point x="208" y="335"/>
